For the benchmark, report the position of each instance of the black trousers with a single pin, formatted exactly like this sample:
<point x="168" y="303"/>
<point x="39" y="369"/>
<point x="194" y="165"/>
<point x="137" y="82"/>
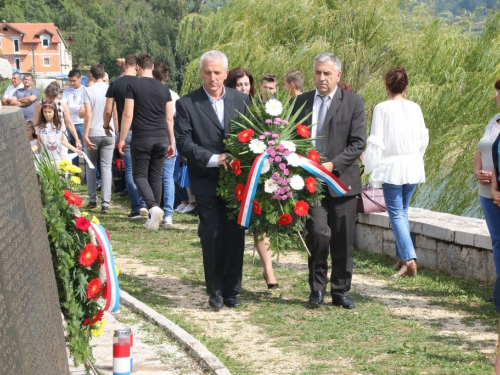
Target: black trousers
<point x="148" y="156"/>
<point x="222" y="243"/>
<point x="331" y="229"/>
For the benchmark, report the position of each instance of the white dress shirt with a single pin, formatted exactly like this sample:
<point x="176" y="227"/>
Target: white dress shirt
<point x="316" y="106"/>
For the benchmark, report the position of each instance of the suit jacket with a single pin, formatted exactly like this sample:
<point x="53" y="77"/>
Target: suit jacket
<point x="344" y="134"/>
<point x="199" y="135"/>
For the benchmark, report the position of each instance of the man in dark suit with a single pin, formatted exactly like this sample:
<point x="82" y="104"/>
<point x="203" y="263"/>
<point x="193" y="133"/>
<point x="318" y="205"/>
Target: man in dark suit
<point x="339" y="118"/>
<point x="201" y="125"/>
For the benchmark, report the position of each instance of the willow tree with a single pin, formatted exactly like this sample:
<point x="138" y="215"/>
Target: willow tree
<point x="451" y="70"/>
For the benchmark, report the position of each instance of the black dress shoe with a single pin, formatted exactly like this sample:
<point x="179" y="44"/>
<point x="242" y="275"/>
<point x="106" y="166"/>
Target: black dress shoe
<point x="345" y="301"/>
<point x="316" y="298"/>
<point x="216" y="303"/>
<point x="232" y="301"/>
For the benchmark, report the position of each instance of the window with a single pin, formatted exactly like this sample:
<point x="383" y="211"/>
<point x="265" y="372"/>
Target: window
<point x="45" y="40"/>
<point x="16" y="45"/>
<point x="18" y="63"/>
<point x="46" y="61"/>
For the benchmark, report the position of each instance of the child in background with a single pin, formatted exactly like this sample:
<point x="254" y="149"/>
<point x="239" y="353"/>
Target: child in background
<point x="51" y="132"/>
<point x="30" y="132"/>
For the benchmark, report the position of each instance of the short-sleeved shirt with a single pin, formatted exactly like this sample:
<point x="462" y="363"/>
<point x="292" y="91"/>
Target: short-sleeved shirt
<point x="484" y="145"/>
<point x="117" y="90"/>
<point x="51" y="137"/>
<point x="150" y="99"/>
<point x="74" y="100"/>
<point x="27" y="109"/>
<point x="11" y="90"/>
<point x="95" y="95"/>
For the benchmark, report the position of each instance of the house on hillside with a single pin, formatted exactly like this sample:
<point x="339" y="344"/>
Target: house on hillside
<point x="37" y="48"/>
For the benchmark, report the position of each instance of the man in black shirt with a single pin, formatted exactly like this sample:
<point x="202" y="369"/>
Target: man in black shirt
<point x="116" y="94"/>
<point x="148" y="109"/>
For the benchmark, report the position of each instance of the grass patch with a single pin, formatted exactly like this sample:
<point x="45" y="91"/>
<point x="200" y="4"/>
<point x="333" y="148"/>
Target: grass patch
<point x="366" y="340"/>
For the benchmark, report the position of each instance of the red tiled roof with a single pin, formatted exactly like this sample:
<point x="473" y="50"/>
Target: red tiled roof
<point x="32" y="30"/>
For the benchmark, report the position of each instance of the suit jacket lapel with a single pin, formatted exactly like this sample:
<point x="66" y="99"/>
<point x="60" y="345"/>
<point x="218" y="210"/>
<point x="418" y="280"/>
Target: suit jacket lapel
<point x="334" y="106"/>
<point x="309" y="107"/>
<point x="206" y="107"/>
<point x="228" y="110"/>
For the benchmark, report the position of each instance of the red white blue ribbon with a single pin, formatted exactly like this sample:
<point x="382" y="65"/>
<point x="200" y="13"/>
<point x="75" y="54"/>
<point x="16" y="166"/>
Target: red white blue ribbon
<point x="250" y="190"/>
<point x="312" y="167"/>
<point x="328" y="177"/>
<point x="109" y="274"/>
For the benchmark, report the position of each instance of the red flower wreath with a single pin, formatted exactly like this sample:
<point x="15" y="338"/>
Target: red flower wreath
<point x="301" y="208"/>
<point x="310" y="184"/>
<point x="236" y="167"/>
<point x="303" y="131"/>
<point x="72" y="199"/>
<point x="256" y="208"/>
<point x="88" y="255"/>
<point x="82" y="223"/>
<point x="314" y="155"/>
<point x="246" y="135"/>
<point x="285" y="219"/>
<point x="93" y="287"/>
<point x="240" y="189"/>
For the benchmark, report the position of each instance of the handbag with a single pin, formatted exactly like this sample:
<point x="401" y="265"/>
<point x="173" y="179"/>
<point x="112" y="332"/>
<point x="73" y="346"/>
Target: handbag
<point x="370" y="200"/>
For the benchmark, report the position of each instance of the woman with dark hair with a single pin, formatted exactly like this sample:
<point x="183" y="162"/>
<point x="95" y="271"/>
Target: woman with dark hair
<point x="394" y="157"/>
<point x="241" y="80"/>
<point x="485" y="162"/>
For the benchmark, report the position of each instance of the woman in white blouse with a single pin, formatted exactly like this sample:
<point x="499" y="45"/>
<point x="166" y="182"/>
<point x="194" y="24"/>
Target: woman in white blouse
<point x="394" y="159"/>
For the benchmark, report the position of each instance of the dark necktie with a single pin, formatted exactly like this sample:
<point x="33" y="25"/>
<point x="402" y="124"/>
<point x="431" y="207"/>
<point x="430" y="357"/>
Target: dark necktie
<point x="321" y="121"/>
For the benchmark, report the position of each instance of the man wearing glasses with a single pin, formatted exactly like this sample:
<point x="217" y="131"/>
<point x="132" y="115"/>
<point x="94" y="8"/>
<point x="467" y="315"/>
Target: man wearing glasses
<point x="16" y="84"/>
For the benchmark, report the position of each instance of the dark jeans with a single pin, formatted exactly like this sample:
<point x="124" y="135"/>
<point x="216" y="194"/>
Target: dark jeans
<point x="148" y="156"/>
<point x="72" y="140"/>
<point x="222" y="243"/>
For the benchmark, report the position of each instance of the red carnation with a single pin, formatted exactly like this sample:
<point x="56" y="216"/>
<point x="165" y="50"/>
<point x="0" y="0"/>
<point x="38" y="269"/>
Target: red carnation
<point x="310" y="184"/>
<point x="314" y="155"/>
<point x="104" y="291"/>
<point x="93" y="287"/>
<point x="303" y="131"/>
<point x="72" y="199"/>
<point x="82" y="224"/>
<point x="236" y="167"/>
<point x="256" y="208"/>
<point x="240" y="189"/>
<point x="86" y="321"/>
<point x="97" y="316"/>
<point x="301" y="208"/>
<point x="88" y="255"/>
<point x="246" y="135"/>
<point x="285" y="219"/>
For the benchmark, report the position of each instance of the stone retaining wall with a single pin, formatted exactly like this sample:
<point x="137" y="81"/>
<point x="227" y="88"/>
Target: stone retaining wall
<point x="457" y="245"/>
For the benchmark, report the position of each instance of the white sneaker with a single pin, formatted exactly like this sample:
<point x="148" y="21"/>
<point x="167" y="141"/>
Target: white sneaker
<point x="188" y="209"/>
<point x="180" y="207"/>
<point x="154" y="218"/>
<point x="167" y="221"/>
<point x="144" y="211"/>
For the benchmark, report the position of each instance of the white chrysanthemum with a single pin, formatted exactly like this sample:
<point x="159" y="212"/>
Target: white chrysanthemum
<point x="257" y="146"/>
<point x="290" y="146"/>
<point x="293" y="159"/>
<point x="296" y="182"/>
<point x="274" y="107"/>
<point x="265" y="167"/>
<point x="270" y="186"/>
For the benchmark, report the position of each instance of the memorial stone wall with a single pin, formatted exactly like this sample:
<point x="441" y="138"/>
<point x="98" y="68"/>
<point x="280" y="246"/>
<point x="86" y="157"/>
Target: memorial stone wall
<point x="31" y="331"/>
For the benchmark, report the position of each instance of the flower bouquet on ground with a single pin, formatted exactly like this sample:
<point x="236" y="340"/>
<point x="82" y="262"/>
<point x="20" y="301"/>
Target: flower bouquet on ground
<point x="276" y="174"/>
<point x="81" y="255"/>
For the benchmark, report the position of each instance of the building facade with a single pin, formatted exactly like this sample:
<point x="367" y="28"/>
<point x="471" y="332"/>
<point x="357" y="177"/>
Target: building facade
<point x="36" y="48"/>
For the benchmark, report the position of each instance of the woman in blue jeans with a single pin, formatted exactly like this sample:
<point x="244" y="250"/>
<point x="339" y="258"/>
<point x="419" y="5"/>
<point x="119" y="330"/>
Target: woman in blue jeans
<point x="394" y="159"/>
<point x="484" y="163"/>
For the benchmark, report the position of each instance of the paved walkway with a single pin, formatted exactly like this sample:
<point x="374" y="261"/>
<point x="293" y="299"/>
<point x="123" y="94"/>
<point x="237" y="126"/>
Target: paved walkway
<point x="153" y="352"/>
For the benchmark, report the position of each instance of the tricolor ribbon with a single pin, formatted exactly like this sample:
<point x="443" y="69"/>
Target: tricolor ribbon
<point x="328" y="177"/>
<point x="312" y="167"/>
<point x="250" y="190"/>
<point x="112" y="287"/>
